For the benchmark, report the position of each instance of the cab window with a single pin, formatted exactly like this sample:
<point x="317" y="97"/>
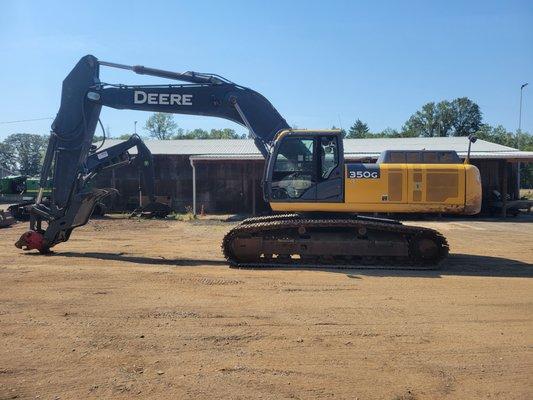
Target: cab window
<point x="294" y="168"/>
<point x="329" y="155"/>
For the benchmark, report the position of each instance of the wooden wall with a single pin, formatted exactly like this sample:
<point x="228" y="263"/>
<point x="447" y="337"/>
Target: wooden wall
<point x="233" y="186"/>
<point x="230" y="186"/>
<point x="492" y="178"/>
<point x="221" y="186"/>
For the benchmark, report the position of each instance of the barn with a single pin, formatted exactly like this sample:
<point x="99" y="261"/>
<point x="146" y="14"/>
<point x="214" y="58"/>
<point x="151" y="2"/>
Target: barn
<point x="224" y="175"/>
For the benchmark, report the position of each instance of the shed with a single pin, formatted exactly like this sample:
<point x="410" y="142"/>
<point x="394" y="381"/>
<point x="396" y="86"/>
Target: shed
<point x="224" y="175"/>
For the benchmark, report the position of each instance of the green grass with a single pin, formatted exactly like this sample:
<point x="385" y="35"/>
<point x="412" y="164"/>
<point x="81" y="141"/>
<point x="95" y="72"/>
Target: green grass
<point x="189" y="216"/>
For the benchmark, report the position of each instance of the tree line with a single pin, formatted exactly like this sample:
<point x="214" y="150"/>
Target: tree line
<point x="23" y="152"/>
<point x="162" y="126"/>
<point x="458" y="117"/>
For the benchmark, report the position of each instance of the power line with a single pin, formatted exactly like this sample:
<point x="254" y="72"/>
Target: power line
<point x="25" y="120"/>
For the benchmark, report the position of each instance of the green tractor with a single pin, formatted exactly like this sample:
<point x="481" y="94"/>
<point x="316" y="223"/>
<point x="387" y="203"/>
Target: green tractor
<point x="23" y="191"/>
<point x="12" y="185"/>
<point x="11" y="190"/>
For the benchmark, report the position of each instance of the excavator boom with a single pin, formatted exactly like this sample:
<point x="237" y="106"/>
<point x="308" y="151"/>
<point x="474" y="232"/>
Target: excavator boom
<point x="72" y="161"/>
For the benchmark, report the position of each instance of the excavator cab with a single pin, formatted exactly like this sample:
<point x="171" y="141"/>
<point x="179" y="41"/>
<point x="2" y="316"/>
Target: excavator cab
<point x="305" y="166"/>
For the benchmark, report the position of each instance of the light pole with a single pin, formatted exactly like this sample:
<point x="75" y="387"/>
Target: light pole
<point x="135" y="122"/>
<point x="520" y="114"/>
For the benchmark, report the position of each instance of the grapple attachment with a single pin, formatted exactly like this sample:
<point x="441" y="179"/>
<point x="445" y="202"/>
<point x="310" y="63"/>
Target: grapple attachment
<point x="59" y="227"/>
<point x="32" y="240"/>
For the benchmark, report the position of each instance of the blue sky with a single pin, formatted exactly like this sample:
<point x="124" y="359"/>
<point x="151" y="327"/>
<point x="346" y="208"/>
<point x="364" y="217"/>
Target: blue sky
<point x="321" y="63"/>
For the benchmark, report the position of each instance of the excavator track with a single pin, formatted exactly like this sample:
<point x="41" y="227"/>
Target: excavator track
<point x="293" y="240"/>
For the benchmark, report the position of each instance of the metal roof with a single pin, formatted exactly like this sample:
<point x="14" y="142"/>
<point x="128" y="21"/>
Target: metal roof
<point x="196" y="146"/>
<point x="235" y="157"/>
<point x="245" y="149"/>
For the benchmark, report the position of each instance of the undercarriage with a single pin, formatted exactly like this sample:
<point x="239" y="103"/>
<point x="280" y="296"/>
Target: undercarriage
<point x="294" y="240"/>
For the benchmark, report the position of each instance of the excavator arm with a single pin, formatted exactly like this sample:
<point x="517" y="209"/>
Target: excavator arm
<point x="118" y="155"/>
<point x="72" y="160"/>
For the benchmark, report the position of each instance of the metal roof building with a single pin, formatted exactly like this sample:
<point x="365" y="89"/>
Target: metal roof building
<point x="245" y="149"/>
<point x="224" y="175"/>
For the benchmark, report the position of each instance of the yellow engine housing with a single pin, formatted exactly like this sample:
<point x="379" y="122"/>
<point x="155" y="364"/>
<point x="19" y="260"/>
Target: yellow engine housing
<point x="404" y="188"/>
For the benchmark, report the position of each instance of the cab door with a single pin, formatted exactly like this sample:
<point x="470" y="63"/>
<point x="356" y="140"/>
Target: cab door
<point x="330" y="177"/>
<point x="292" y="170"/>
<point x="306" y="168"/>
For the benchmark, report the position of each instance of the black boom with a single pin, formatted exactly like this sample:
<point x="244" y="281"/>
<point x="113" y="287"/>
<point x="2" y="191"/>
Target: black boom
<point x="75" y="161"/>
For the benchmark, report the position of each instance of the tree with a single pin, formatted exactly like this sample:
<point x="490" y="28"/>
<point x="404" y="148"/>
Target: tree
<point x="225" y="133"/>
<point x="7" y="159"/>
<point x="343" y="132"/>
<point x="495" y="134"/>
<point x="27" y="152"/>
<point x="523" y="141"/>
<point x="466" y="116"/>
<point x="124" y="136"/>
<point x="424" y="122"/>
<point x="194" y="134"/>
<point x="498" y="134"/>
<point x="386" y="133"/>
<point x="161" y="126"/>
<point x="358" y="130"/>
<point x="459" y="117"/>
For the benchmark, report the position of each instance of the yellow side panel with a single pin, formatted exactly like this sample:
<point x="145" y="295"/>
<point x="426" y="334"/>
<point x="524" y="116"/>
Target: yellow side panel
<point x="390" y="187"/>
<point x="436" y="184"/>
<point x="473" y="190"/>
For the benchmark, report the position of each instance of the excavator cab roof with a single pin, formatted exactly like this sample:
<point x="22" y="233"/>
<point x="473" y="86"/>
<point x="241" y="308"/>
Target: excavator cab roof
<point x="309" y="132"/>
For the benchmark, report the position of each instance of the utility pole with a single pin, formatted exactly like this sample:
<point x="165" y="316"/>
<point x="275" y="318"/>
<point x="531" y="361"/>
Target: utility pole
<point x="520" y="114"/>
<point x="135" y="122"/>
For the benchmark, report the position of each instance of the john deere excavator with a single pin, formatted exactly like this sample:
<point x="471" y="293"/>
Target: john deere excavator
<point x="305" y="176"/>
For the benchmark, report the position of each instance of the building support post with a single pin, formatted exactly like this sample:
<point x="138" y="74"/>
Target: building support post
<point x="140" y="190"/>
<point x="518" y="180"/>
<point x="253" y="197"/>
<point x="193" y="186"/>
<point x="504" y="188"/>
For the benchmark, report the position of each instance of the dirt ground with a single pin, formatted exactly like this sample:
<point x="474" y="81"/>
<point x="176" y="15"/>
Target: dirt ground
<point x="149" y="309"/>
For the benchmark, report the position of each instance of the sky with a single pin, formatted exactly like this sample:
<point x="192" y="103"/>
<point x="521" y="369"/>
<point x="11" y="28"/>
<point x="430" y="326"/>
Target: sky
<point x="321" y="63"/>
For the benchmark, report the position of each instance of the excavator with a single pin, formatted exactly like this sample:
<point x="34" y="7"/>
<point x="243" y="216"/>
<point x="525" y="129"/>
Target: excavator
<point x="318" y="194"/>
